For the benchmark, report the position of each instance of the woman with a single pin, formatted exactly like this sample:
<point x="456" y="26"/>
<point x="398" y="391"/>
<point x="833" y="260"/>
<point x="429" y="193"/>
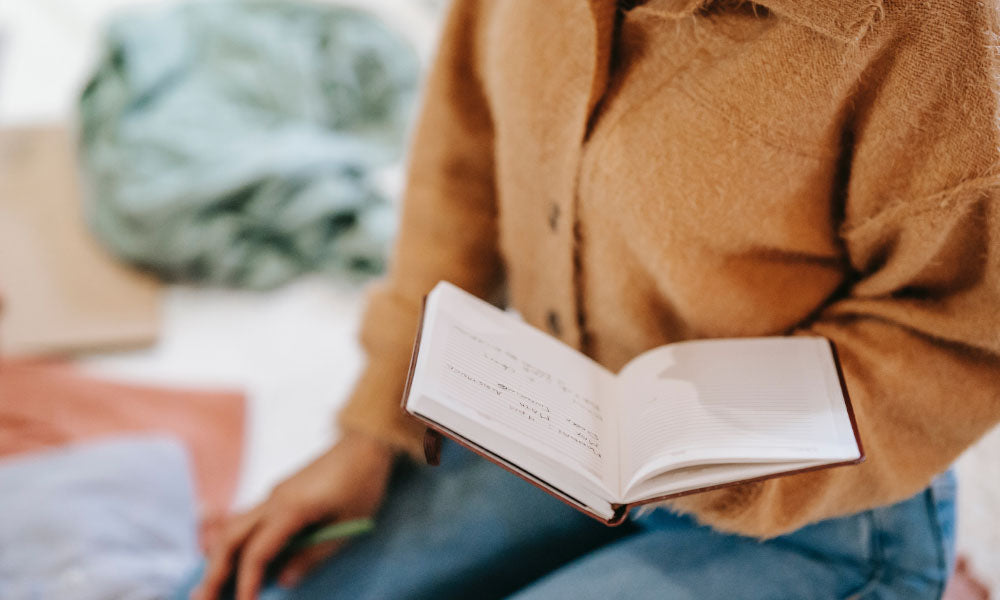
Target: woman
<point x="636" y="175"/>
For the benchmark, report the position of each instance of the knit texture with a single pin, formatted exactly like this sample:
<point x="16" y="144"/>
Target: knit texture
<point x="721" y="169"/>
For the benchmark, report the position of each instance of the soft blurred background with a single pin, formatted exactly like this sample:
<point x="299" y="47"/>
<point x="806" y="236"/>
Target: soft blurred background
<point x="192" y="199"/>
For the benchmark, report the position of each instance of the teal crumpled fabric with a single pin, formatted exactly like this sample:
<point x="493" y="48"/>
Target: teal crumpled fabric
<point x="237" y="142"/>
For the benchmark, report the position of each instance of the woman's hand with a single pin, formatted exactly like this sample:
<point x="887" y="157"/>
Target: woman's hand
<point x="346" y="482"/>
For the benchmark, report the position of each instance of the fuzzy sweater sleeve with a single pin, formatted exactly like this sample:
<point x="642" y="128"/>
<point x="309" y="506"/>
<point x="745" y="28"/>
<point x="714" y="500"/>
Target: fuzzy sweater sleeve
<point x="447" y="231"/>
<point x="918" y="328"/>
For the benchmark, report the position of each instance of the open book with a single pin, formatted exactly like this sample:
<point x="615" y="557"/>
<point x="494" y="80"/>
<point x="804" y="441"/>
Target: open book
<point x="677" y="419"/>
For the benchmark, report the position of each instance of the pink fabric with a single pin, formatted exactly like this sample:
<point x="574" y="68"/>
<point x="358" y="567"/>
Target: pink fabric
<point x="45" y="404"/>
<point x="964" y="585"/>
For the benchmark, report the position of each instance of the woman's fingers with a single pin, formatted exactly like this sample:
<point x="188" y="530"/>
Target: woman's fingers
<point x="328" y="486"/>
<point x="211" y="527"/>
<point x="221" y="555"/>
<point x="299" y="565"/>
<point x="260" y="549"/>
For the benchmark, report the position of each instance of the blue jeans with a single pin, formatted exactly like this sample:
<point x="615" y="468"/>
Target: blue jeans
<point x="468" y="529"/>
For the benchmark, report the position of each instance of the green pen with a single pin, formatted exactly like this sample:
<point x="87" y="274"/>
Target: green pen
<point x="334" y="531"/>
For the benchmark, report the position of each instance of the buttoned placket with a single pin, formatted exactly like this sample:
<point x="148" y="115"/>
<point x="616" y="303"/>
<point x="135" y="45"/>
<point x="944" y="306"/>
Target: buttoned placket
<point x="562" y="218"/>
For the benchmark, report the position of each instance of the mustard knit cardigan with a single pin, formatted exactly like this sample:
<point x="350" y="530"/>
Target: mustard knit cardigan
<point x="695" y="169"/>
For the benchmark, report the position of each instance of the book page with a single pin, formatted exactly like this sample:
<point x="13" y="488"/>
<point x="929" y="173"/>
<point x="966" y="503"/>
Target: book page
<point x="684" y="479"/>
<point x="491" y="367"/>
<point x="732" y="401"/>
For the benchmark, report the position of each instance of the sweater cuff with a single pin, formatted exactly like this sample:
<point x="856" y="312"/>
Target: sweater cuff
<point x="725" y="509"/>
<point x="374" y="409"/>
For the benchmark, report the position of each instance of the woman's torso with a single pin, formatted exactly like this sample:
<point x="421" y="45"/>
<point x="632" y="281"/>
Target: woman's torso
<point x="675" y="172"/>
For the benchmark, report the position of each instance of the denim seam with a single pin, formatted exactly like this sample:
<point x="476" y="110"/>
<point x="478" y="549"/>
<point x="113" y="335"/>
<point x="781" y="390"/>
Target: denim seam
<point x="930" y="500"/>
<point x="877" y="561"/>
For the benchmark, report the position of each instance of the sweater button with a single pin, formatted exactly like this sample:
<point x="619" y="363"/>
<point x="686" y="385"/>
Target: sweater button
<point x="554" y="216"/>
<point x="552" y="322"/>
